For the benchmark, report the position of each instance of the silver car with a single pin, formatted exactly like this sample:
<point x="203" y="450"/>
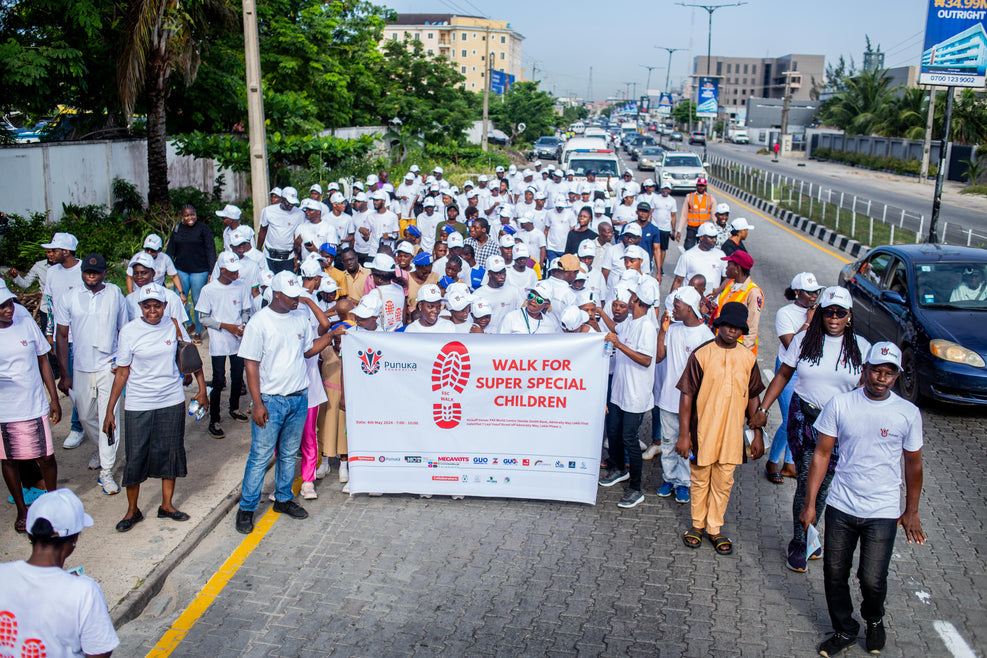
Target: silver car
<point x="680" y="170"/>
<point x="650" y="158"/>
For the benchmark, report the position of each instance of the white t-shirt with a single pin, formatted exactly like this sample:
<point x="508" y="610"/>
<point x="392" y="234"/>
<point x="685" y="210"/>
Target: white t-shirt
<point x="519" y="322"/>
<point x="871" y="436"/>
<point x="94" y="319"/>
<point x="59" y="282"/>
<point x="632" y="185"/>
<point x="708" y="263"/>
<point x="279" y="342"/>
<point x="392" y="310"/>
<point x="818" y="384"/>
<point x="281" y="226"/>
<point x="427" y="225"/>
<point x="534" y="239"/>
<point x="558" y="224"/>
<point x="317" y="234"/>
<point x="362" y="245"/>
<point x="225" y="303"/>
<point x="381" y="223"/>
<point x="633" y="384"/>
<point x="789" y="320"/>
<point x="662" y="208"/>
<point x="243" y="229"/>
<point x="521" y="280"/>
<point x="562" y="295"/>
<point x="163" y="266"/>
<point x="21" y="387"/>
<point x="53" y="613"/>
<point x="316" y="391"/>
<point x="251" y="268"/>
<point x="441" y="326"/>
<point x="174" y="309"/>
<point x="680" y="342"/>
<point x="623" y="215"/>
<point x="155" y="381"/>
<point x="502" y="301"/>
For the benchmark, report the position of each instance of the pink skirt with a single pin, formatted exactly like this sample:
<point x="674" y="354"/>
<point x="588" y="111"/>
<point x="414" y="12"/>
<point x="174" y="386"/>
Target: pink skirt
<point x="26" y="439"/>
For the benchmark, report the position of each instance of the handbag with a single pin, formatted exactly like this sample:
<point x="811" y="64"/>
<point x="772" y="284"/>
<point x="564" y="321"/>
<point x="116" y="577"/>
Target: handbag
<point x="186" y="356"/>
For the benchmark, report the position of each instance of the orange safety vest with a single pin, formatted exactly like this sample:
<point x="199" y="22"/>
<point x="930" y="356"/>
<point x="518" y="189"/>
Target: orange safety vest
<point x="698" y="211"/>
<point x="729" y="295"/>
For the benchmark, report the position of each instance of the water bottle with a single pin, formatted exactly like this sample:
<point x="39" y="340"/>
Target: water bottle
<point x="196" y="409"/>
<point x="608" y="349"/>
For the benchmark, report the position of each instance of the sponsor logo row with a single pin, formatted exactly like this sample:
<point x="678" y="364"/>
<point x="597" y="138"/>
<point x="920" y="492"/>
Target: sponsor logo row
<point x="562" y="463"/>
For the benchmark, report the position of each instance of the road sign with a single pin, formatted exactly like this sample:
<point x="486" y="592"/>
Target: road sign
<point x="500" y="81"/>
<point x="955" y="50"/>
<point x="708" y="94"/>
<point x="665" y="104"/>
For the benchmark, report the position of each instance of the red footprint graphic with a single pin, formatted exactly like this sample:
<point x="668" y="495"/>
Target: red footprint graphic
<point x="447" y="416"/>
<point x="30" y="648"/>
<point x="451" y="369"/>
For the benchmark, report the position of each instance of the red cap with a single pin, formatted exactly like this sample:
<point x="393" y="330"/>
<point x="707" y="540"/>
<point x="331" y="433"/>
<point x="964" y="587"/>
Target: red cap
<point x="700" y="181"/>
<point x="742" y="258"/>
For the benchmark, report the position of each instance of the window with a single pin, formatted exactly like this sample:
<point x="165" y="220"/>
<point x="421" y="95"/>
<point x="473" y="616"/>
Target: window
<point x="474" y="69"/>
<point x="482" y="74"/>
<point x="503" y="56"/>
<point x="472" y="85"/>
<point x="464" y="53"/>
<point x="474" y="53"/>
<point x="898" y="279"/>
<point x="503" y="39"/>
<point x="394" y="36"/>
<point x="728" y="67"/>
<point x="464" y="36"/>
<point x="462" y="69"/>
<point x="719" y="68"/>
<point x="743" y="101"/>
<point x="754" y="69"/>
<point x="431" y="52"/>
<point x="418" y="36"/>
<point x="874" y="268"/>
<point x="453" y="36"/>
<point x="474" y="35"/>
<point x="430" y="35"/>
<point x="745" y="69"/>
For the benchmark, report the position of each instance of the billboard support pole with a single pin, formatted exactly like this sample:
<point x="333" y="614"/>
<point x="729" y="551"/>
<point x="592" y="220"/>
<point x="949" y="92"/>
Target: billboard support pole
<point x="941" y="172"/>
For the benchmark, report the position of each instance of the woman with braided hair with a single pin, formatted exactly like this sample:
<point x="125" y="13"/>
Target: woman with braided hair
<point x="828" y="358"/>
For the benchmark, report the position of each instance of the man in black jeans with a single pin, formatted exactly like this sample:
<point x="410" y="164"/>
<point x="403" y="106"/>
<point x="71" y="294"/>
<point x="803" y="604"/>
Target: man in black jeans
<point x="874" y="427"/>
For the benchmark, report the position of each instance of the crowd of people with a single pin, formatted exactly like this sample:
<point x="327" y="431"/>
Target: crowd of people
<point x="521" y="252"/>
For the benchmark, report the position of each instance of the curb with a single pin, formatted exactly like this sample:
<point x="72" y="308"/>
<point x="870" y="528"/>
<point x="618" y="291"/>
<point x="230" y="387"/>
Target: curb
<point x="132" y="605"/>
<point x="827" y="235"/>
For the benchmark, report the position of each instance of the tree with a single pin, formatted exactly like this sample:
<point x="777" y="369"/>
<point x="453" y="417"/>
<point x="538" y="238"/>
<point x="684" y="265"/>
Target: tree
<point x="524" y="103"/>
<point x="162" y="37"/>
<point x="969" y="121"/>
<point x="571" y="114"/>
<point x="860" y="107"/>
<point x="685" y="113"/>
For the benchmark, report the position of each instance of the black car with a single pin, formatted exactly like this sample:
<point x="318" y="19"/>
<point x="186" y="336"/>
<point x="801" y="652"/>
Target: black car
<point x="547" y="147"/>
<point x="930" y="300"/>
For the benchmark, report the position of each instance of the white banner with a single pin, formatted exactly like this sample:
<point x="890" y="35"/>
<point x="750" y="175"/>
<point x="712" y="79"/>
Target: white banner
<point x="474" y="414"/>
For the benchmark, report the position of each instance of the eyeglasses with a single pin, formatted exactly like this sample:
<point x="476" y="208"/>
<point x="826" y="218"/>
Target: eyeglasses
<point x="835" y="313"/>
<point x="536" y="298"/>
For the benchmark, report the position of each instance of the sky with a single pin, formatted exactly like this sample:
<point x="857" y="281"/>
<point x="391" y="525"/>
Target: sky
<point x="618" y="39"/>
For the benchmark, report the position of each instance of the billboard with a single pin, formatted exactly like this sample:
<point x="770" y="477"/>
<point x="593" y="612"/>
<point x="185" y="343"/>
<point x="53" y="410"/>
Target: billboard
<point x="665" y="104"/>
<point x="955" y="50"/>
<point x="707" y="100"/>
<point x="500" y="81"/>
<point x="645" y="104"/>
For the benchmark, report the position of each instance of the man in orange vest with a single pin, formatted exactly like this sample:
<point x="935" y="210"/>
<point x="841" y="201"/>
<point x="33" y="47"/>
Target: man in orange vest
<point x="697" y="208"/>
<point x="739" y="287"/>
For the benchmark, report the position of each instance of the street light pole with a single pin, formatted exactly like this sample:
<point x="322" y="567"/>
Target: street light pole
<point x="486" y="95"/>
<point x="256" y="133"/>
<point x="668" y="71"/>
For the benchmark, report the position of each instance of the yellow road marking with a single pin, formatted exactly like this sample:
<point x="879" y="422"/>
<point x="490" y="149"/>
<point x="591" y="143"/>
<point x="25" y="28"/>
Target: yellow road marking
<point x="214" y="587"/>
<point x="783" y="227"/>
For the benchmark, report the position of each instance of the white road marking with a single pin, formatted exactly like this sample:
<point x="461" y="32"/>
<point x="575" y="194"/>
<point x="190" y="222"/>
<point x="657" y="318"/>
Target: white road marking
<point x="924" y="597"/>
<point x="954" y="642"/>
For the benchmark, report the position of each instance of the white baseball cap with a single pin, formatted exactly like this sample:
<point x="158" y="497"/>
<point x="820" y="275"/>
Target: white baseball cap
<point x="229" y="261"/>
<point x="722" y="208"/>
<point x="496" y="264"/>
<point x="290" y="194"/>
<point x="454" y="240"/>
<point x="648" y="182"/>
<point x="276" y="191"/>
<point x="599" y="206"/>
<point x="457" y="300"/>
<point x="65" y="241"/>
<point x="238" y="237"/>
<point x="560" y="201"/>
<point x="836" y="296"/>
<point x="62" y="509"/>
<point x="143" y="258"/>
<point x="527" y="218"/>
<point x="380" y="195"/>
<point x="884" y="352"/>
<point x="287" y="283"/>
<point x="360" y="197"/>
<point x="805" y="281"/>
<point x="429" y="202"/>
<point x="310" y="204"/>
<point x="230" y="211"/>
<point x="152" y="291"/>
<point x="334" y="186"/>
<point x="506" y="211"/>
<point x="633" y="228"/>
<point x="315" y="188"/>
<point x="648" y="291"/>
<point x="499" y="169"/>
<point x="414" y="169"/>
<point x="409" y="176"/>
<point x="310" y="268"/>
<point x="337" y="197"/>
<point x="429" y="293"/>
<point x="507" y="241"/>
<point x="707" y="228"/>
<point x="520" y="250"/>
<point x="741" y="224"/>
<point x="483" y="178"/>
<point x="438" y="170"/>
<point x="585" y="249"/>
<point x="328" y="285"/>
<point x="368" y="307"/>
<point x="405" y="247"/>
<point x="573" y="318"/>
<point x="689" y="296"/>
<point x="372" y="179"/>
<point x="382" y="263"/>
<point x="634" y="251"/>
<point x="480" y="308"/>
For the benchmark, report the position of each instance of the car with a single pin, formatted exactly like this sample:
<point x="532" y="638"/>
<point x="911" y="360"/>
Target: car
<point x="931" y="301"/>
<point x="498" y="137"/>
<point x="635" y="142"/>
<point x="548" y="147"/>
<point x="697" y="137"/>
<point x="676" y="136"/>
<point x="649" y="158"/>
<point x="680" y="170"/>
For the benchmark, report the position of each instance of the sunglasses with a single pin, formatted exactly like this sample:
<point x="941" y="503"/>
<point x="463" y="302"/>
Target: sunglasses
<point x="835" y="313"/>
<point x="537" y="299"/>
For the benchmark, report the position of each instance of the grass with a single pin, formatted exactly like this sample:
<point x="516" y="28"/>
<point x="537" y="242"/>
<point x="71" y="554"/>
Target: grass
<point x="863" y="229"/>
<point x="975" y="189"/>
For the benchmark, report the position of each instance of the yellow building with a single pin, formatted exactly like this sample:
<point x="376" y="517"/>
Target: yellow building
<point x="463" y="41"/>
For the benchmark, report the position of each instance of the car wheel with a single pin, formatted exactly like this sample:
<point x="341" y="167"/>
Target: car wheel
<point x="907" y="384"/>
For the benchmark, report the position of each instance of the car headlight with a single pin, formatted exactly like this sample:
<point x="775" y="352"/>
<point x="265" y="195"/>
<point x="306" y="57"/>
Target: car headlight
<point x="950" y="351"/>
<point x="665" y="174"/>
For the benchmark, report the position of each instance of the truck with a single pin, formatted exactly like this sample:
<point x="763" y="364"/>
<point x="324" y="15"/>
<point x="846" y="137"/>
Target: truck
<point x="738" y="135"/>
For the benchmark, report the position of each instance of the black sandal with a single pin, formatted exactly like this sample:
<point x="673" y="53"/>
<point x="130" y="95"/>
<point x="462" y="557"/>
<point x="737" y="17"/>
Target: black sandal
<point x="693" y="538"/>
<point x="722" y="544"/>
<point x="774" y="478"/>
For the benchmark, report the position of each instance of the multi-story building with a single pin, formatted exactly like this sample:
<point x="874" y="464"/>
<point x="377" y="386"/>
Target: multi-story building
<point x="742" y="78"/>
<point x="465" y="41"/>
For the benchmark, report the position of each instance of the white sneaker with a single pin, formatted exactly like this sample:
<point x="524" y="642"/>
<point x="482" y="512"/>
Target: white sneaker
<point x="644" y="446"/>
<point x="94" y="462"/>
<point x="344" y="472"/>
<point x="323" y="469"/>
<point x="106" y="481"/>
<point x="73" y="440"/>
<point x="308" y="491"/>
<point x="653" y="451"/>
<point x="346" y="488"/>
<point x="424" y="495"/>
<point x="458" y="497"/>
<point x="271" y="497"/>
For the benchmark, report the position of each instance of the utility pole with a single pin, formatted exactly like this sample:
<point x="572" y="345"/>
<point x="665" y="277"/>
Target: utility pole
<point x="647" y="86"/>
<point x="668" y="71"/>
<point x="923" y="175"/>
<point x="787" y="102"/>
<point x="255" y="111"/>
<point x="941" y="172"/>
<point x="627" y="93"/>
<point x="486" y="94"/>
<point x="589" y="87"/>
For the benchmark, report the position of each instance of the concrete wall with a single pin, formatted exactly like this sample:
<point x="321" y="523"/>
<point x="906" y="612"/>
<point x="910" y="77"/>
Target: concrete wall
<point x="903" y="149"/>
<point x="42" y="177"/>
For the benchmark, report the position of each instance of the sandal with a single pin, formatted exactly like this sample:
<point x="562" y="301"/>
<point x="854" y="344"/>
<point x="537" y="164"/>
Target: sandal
<point x="20" y="525"/>
<point x="196" y="339"/>
<point x="722" y="544"/>
<point x="693" y="538"/>
<point x="774" y="478"/>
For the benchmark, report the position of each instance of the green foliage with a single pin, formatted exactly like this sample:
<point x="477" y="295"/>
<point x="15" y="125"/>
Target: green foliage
<point x="969" y="121"/>
<point x="860" y="108"/>
<point x="572" y="114"/>
<point x="874" y="162"/>
<point x="524" y="103"/>
<point x="469" y="157"/>
<point x="126" y="197"/>
<point x="685" y="113"/>
<point x="975" y="170"/>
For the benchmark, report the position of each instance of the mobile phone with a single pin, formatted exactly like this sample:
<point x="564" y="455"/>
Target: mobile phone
<point x="110" y="439"/>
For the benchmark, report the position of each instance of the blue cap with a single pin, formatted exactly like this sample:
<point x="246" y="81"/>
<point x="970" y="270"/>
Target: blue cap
<point x="328" y="249"/>
<point x="510" y="230"/>
<point x="422" y="258"/>
<point x="446" y="281"/>
<point x="449" y="229"/>
<point x="413" y="230"/>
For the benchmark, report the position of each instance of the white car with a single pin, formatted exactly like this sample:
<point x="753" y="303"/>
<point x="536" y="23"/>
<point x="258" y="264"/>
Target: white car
<point x="680" y="169"/>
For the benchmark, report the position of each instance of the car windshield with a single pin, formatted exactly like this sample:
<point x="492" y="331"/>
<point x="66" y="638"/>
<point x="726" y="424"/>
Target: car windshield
<point x="682" y="161"/>
<point x="603" y="168"/>
<point x="651" y="151"/>
<point x="547" y="141"/>
<point x="951" y="285"/>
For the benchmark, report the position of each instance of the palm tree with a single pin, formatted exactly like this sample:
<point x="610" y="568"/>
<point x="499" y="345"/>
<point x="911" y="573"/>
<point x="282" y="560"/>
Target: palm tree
<point x="861" y="106"/>
<point x="163" y="36"/>
<point x="905" y="115"/>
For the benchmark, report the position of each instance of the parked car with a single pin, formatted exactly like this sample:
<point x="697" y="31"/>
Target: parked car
<point x="697" y="137"/>
<point x="680" y="170"/>
<point x="649" y="158"/>
<point x="930" y="300"/>
<point x="548" y="147"/>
